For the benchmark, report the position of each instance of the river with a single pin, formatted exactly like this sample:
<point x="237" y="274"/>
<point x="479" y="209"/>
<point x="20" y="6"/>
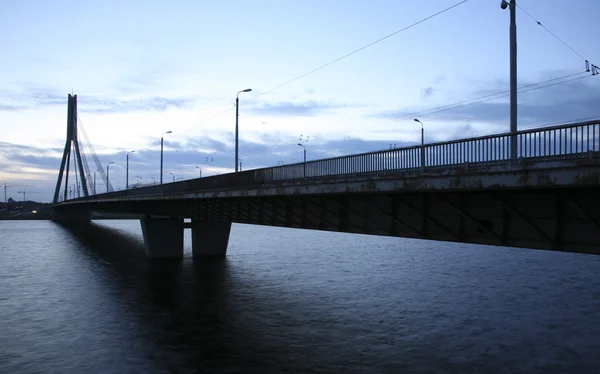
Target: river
<point x="290" y="301"/>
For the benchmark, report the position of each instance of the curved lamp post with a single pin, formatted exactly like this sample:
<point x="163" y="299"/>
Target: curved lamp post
<point x="513" y="75"/>
<point x="302" y="145"/>
<point x="422" y="144"/>
<point x="127" y="171"/>
<point x="237" y="114"/>
<point x="161" y="153"/>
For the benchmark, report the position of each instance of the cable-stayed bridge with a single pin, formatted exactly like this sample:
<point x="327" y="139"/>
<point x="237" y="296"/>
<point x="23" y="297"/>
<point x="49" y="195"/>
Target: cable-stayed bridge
<point x="467" y="190"/>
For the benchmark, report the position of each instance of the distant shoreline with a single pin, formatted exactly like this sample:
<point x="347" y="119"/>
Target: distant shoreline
<point x="40" y="218"/>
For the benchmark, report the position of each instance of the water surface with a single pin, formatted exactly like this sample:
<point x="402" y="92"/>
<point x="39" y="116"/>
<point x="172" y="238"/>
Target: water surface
<point x="284" y="300"/>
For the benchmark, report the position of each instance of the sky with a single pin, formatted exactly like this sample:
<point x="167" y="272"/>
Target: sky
<point x="142" y="68"/>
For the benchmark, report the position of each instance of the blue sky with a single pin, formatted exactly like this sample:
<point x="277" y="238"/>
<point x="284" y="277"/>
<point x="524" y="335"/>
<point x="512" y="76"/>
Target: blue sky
<point x="141" y="68"/>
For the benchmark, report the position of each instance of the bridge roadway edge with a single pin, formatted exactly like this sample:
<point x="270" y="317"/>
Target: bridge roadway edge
<point x="552" y="205"/>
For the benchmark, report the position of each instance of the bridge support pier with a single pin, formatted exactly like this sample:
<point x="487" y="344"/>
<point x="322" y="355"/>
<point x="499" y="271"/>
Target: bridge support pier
<point x="210" y="239"/>
<point x="163" y="237"/>
<point x="70" y="215"/>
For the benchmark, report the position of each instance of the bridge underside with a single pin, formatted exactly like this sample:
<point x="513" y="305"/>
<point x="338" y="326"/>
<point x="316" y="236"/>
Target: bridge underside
<point x="564" y="219"/>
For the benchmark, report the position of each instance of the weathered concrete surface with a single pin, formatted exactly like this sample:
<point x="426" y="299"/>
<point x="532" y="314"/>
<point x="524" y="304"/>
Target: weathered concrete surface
<point x="551" y="205"/>
<point x="70" y="214"/>
<point x="163" y="237"/>
<point x="552" y="174"/>
<point x="210" y="239"/>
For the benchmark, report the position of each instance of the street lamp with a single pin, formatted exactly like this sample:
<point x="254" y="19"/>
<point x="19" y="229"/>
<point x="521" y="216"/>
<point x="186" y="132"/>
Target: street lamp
<point x="513" y="75"/>
<point x="422" y="145"/>
<point x="237" y="114"/>
<point x="302" y="145"/>
<point x="154" y="180"/>
<point x="127" y="171"/>
<point x="173" y="176"/>
<point x="161" y="153"/>
<point x="422" y="131"/>
<point x="107" y="179"/>
<point x="95" y="180"/>
<point x="199" y="170"/>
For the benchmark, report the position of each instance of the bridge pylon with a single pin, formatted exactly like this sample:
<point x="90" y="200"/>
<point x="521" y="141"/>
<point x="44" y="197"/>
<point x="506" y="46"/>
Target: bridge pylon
<point x="72" y="144"/>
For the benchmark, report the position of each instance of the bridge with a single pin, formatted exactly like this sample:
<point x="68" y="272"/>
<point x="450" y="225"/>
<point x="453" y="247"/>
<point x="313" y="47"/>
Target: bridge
<point x="467" y="190"/>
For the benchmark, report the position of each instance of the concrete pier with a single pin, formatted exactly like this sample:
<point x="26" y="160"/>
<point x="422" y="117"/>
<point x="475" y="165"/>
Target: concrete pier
<point x="210" y="239"/>
<point x="71" y="215"/>
<point x="163" y="237"/>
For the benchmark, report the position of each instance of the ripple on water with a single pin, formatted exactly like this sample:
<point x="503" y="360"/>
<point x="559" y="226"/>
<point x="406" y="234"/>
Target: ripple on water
<point x="288" y="300"/>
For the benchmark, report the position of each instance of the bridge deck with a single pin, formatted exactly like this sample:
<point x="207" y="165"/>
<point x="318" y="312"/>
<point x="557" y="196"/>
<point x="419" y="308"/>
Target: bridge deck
<point x="466" y="191"/>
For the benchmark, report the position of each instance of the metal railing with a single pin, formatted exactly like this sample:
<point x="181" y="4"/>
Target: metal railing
<point x="576" y="140"/>
<point x="565" y="141"/>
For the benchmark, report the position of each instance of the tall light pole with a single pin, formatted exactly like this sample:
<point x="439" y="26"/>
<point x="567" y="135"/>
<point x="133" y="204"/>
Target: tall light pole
<point x="154" y="180"/>
<point x="237" y="114"/>
<point x="199" y="170"/>
<point x="302" y="145"/>
<point x="95" y="180"/>
<point x="173" y="176"/>
<point x="127" y="171"/>
<point x="107" y="179"/>
<point x="422" y="131"/>
<point x="422" y="144"/>
<point x="513" y="75"/>
<point x="161" y="153"/>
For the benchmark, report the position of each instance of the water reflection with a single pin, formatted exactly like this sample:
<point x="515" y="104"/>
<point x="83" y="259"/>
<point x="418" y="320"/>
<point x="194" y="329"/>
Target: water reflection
<point x="195" y="313"/>
<point x="86" y="299"/>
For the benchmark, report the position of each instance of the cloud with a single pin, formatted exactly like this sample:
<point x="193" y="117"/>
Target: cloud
<point x="47" y="99"/>
<point x="182" y="160"/>
<point x="439" y="79"/>
<point x="570" y="101"/>
<point x="11" y="101"/>
<point x="428" y="92"/>
<point x="287" y="108"/>
<point x="563" y="102"/>
<point x="9" y="108"/>
<point x="16" y="156"/>
<point x="33" y="98"/>
<point x="150" y="104"/>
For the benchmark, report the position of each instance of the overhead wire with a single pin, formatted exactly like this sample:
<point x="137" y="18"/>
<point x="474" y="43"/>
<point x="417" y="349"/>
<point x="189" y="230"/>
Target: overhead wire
<point x="459" y="104"/>
<point x="551" y="33"/>
<point x="205" y="121"/>
<point x="456" y="105"/>
<point x="334" y="61"/>
<point x="594" y="68"/>
<point x="360" y="49"/>
<point x="491" y="97"/>
<point x="497" y="97"/>
<point x="472" y="101"/>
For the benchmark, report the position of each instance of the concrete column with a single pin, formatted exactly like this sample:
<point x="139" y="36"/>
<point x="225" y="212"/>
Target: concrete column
<point x="163" y="237"/>
<point x="70" y="214"/>
<point x="210" y="238"/>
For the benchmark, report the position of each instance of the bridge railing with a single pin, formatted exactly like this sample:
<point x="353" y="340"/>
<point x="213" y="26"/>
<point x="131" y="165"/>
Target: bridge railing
<point x="577" y="140"/>
<point x="559" y="142"/>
